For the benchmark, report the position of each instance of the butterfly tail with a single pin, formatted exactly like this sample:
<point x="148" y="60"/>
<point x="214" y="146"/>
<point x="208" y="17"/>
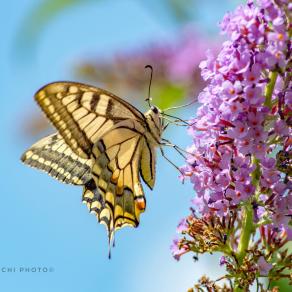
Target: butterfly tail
<point x="95" y="203"/>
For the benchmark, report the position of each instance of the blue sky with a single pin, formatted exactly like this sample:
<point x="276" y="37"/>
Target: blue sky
<point x="43" y="223"/>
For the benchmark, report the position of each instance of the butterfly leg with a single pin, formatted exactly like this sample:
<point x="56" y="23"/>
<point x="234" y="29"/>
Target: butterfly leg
<point x="180" y="106"/>
<point x="163" y="154"/>
<point x="175" y="122"/>
<point x="176" y="148"/>
<point x="177" y="119"/>
<point x="164" y="127"/>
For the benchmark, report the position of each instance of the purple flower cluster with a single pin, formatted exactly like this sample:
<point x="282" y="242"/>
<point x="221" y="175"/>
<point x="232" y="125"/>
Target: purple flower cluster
<point x="240" y="162"/>
<point x="243" y="120"/>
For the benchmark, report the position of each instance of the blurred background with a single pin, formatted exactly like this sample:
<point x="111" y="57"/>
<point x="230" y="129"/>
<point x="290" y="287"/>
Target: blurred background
<point x="105" y="43"/>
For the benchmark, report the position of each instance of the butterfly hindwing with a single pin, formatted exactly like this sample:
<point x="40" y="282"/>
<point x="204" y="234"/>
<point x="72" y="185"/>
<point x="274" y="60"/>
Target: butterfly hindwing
<point x="148" y="163"/>
<point x="83" y="113"/>
<point x="92" y="198"/>
<point x="52" y="155"/>
<point x="115" y="170"/>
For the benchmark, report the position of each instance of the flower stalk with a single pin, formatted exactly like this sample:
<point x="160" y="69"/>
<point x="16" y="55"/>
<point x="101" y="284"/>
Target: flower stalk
<point x="246" y="231"/>
<point x="270" y="88"/>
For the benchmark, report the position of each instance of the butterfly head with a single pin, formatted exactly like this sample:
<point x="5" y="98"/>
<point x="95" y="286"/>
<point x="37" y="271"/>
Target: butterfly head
<point x="155" y="109"/>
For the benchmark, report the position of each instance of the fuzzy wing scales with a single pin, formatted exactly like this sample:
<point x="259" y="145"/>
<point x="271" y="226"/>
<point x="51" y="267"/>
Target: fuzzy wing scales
<point x="53" y="156"/>
<point x="83" y="113"/>
<point x="115" y="171"/>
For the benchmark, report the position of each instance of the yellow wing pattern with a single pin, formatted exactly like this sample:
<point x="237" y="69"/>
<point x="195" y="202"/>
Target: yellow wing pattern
<point x="104" y="144"/>
<point x="53" y="156"/>
<point x="82" y="113"/>
<point x="148" y="163"/>
<point x="115" y="170"/>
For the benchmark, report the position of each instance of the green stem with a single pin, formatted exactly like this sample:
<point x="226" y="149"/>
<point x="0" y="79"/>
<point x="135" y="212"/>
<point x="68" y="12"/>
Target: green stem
<point x="270" y="88"/>
<point x="246" y="232"/>
<point x="247" y="227"/>
<point x="256" y="174"/>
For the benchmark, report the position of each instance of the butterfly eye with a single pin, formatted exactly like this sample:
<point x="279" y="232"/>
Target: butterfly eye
<point x="154" y="109"/>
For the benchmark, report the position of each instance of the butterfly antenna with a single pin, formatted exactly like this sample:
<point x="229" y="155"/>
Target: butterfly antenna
<point x="148" y="99"/>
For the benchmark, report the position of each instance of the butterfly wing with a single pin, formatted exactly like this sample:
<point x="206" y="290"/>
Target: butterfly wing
<point x="115" y="170"/>
<point x="92" y="198"/>
<point x="147" y="164"/>
<point x="83" y="113"/>
<point x="113" y="141"/>
<point x="53" y="156"/>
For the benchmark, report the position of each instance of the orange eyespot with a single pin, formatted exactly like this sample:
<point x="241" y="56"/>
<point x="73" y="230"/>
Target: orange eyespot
<point x="140" y="204"/>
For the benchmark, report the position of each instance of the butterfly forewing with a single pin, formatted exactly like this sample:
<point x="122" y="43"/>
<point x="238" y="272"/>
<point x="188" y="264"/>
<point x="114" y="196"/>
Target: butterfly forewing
<point x="82" y="113"/>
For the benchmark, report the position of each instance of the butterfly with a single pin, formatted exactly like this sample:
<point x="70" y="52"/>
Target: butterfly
<point x="104" y="144"/>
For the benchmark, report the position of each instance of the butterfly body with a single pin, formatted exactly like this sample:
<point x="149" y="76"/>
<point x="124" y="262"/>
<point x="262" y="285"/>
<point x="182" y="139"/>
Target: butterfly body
<point x="104" y="144"/>
<point x="155" y="126"/>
